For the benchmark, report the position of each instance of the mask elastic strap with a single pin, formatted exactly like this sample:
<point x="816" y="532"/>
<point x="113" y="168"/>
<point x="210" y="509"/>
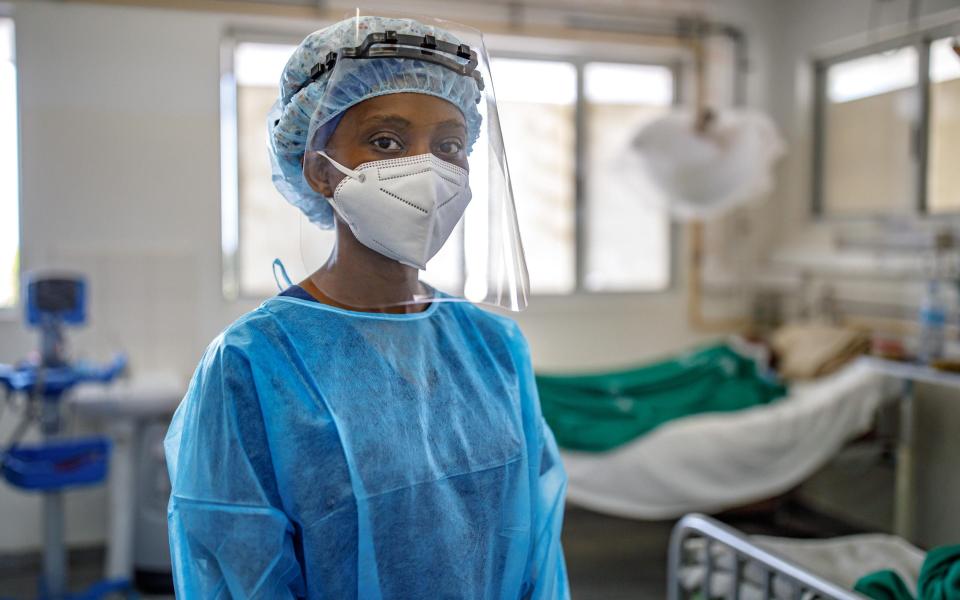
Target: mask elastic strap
<point x="348" y="172"/>
<point x="283" y="271"/>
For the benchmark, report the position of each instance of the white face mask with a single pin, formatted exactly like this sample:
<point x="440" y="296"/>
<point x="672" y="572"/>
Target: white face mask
<point x="403" y="208"/>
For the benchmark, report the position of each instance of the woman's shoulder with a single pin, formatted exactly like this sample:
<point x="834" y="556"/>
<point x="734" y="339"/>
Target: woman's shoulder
<point x="235" y="363"/>
<point x="491" y="326"/>
<point x="245" y="330"/>
<point x="272" y="318"/>
<point x="242" y="338"/>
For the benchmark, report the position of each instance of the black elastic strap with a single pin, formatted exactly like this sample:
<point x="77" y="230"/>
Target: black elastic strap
<point x="391" y="44"/>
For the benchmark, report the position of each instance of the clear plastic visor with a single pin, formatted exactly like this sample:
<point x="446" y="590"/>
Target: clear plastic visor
<point x="417" y="176"/>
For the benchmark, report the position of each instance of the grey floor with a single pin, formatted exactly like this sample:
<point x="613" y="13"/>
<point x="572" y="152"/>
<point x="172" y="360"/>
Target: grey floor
<point x="618" y="559"/>
<point x="615" y="559"/>
<point x="19" y="575"/>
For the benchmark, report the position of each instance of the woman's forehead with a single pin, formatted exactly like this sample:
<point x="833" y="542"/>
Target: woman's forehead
<point x="407" y="109"/>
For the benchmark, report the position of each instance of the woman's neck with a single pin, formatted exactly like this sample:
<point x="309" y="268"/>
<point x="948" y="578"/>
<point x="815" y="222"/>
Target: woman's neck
<point x="358" y="278"/>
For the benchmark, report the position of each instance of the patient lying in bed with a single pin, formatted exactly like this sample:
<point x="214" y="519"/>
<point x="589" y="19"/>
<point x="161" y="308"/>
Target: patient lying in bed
<point x="716" y="461"/>
<point x="600" y="412"/>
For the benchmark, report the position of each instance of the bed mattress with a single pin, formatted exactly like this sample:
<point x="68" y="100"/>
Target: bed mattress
<point x="712" y="462"/>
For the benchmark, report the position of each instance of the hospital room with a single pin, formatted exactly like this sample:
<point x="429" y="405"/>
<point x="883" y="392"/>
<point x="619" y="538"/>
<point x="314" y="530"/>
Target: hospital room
<point x="480" y="299"/>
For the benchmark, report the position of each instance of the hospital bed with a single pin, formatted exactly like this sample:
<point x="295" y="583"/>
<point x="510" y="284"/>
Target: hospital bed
<point x="708" y="559"/>
<point x="717" y="461"/>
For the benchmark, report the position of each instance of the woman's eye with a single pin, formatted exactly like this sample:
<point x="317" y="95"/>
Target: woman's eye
<point x="450" y="147"/>
<point x="386" y="143"/>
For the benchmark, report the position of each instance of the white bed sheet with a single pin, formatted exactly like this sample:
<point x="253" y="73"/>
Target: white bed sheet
<point x="842" y="561"/>
<point x="712" y="462"/>
<point x="845" y="560"/>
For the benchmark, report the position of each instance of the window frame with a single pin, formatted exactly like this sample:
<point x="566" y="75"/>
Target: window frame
<point x="230" y="266"/>
<point x="230" y="263"/>
<point x="579" y="62"/>
<point x="11" y="311"/>
<point x="920" y="136"/>
<point x="677" y="71"/>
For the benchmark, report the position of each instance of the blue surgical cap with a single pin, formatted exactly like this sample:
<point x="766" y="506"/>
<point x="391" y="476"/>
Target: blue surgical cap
<point x="317" y="107"/>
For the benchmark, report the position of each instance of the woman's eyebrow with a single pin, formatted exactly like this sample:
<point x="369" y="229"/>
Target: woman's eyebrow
<point x="452" y="123"/>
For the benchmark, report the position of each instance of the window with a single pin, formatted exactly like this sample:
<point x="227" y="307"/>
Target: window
<point x="943" y="183"/>
<point x="537" y="105"/>
<point x="888" y="129"/>
<point x="869" y="116"/>
<point x="627" y="241"/>
<point x="554" y="137"/>
<point x="563" y="121"/>
<point x="258" y="225"/>
<point x="9" y="173"/>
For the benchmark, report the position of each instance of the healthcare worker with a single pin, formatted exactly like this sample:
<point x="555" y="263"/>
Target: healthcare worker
<point x="365" y="434"/>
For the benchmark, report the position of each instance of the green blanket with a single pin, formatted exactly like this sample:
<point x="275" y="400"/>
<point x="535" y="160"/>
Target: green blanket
<point x="939" y="579"/>
<point x="599" y="412"/>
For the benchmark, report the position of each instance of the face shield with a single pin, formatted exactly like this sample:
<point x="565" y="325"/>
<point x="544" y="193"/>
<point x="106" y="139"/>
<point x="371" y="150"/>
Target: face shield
<point x="405" y="145"/>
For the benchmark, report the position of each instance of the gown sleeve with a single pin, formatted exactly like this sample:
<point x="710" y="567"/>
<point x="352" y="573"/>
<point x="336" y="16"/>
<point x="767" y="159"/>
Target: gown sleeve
<point x="229" y="537"/>
<point x="546" y="571"/>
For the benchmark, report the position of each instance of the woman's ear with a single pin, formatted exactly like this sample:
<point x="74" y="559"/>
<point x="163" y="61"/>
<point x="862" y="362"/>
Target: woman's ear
<point x="318" y="173"/>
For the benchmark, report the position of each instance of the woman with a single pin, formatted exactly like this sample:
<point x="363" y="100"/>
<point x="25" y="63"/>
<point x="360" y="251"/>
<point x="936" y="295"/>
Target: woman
<point x="361" y="435"/>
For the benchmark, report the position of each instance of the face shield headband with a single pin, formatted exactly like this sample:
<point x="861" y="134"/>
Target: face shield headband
<point x="390" y="44"/>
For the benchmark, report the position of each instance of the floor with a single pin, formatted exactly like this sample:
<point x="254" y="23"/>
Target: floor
<point x="615" y="559"/>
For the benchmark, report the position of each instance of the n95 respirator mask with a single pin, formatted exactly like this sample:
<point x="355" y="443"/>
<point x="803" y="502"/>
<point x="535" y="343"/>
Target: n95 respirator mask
<point x="404" y="208"/>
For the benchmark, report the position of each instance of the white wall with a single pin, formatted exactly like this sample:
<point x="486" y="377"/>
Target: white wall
<point x="120" y="179"/>
<point x="814" y="26"/>
<point x="119" y="160"/>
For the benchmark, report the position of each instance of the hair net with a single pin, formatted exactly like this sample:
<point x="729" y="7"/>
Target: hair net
<point x="300" y="109"/>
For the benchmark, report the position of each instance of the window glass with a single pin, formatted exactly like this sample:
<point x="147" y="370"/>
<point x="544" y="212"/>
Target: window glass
<point x="267" y="226"/>
<point x="869" y="114"/>
<point x="943" y="177"/>
<point x="537" y="106"/>
<point x="627" y="241"/>
<point x="9" y="173"/>
<point x="536" y="101"/>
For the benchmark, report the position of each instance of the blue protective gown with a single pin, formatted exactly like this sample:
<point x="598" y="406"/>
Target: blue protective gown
<point x="325" y="453"/>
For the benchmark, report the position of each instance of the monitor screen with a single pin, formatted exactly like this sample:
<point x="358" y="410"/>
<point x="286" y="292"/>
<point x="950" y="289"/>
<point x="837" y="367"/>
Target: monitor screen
<point x="62" y="297"/>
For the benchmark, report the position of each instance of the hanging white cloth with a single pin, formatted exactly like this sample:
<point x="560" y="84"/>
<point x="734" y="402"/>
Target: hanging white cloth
<point x="698" y="172"/>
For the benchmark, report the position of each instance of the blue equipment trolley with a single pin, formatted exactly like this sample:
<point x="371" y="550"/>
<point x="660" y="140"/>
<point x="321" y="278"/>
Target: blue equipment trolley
<point x="56" y="464"/>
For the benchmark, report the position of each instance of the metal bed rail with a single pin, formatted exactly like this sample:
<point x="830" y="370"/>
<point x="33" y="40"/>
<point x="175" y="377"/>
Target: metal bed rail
<point x="803" y="584"/>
